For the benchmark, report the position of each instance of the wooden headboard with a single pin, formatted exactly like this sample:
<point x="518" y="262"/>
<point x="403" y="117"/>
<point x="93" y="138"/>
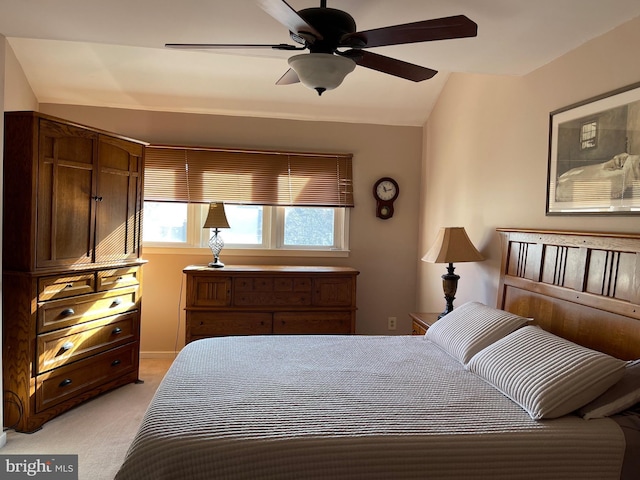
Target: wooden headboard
<point x="582" y="286"/>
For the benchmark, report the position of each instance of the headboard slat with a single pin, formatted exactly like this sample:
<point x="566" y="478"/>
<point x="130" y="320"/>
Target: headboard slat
<point x="579" y="285"/>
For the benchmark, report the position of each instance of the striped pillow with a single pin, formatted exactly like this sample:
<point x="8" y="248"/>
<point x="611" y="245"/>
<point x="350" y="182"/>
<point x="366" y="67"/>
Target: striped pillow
<point x="624" y="394"/>
<point x="470" y="328"/>
<point x="546" y="375"/>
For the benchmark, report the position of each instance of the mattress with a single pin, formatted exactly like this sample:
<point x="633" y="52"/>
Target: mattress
<point x="351" y="407"/>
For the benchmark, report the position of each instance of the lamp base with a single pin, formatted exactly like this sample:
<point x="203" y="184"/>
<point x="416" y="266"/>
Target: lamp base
<point x="216" y="263"/>
<point x="450" y="286"/>
<point x="216" y="244"/>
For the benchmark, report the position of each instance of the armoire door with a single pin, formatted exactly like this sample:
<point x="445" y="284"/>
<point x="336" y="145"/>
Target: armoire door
<point x="119" y="193"/>
<point x="66" y="191"/>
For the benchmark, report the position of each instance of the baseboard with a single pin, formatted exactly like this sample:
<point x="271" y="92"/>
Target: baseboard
<point x="158" y="355"/>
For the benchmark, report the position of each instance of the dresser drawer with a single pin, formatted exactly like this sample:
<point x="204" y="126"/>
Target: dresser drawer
<point x="272" y="284"/>
<point x="118" y="278"/>
<point x="271" y="291"/>
<point x="67" y="312"/>
<point x="209" y="324"/>
<point x="311" y="323"/>
<point x="333" y="292"/>
<point x="72" y="380"/>
<point x="50" y="288"/>
<point x="70" y="344"/>
<point x="209" y="292"/>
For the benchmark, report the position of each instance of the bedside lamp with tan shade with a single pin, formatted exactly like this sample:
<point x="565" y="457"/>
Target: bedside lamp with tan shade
<point x="451" y="246"/>
<point x="216" y="219"/>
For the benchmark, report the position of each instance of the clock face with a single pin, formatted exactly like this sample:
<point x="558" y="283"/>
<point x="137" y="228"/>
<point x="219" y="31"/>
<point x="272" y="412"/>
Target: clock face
<point x="386" y="190"/>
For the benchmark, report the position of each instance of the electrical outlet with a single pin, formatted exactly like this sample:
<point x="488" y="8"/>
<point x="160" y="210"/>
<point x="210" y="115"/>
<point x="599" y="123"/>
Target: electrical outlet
<point x="392" y="323"/>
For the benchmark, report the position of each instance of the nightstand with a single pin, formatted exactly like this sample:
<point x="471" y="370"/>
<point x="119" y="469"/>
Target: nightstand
<point x="422" y="321"/>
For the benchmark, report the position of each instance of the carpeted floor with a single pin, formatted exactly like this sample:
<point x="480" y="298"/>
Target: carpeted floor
<point x="98" y="431"/>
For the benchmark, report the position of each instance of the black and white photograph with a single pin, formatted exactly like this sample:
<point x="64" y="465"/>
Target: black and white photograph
<point x="594" y="156"/>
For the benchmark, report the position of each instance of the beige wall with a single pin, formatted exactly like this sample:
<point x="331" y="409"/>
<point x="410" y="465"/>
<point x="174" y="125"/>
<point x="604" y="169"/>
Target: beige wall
<point x="18" y="93"/>
<point x="383" y="250"/>
<point x="485" y="158"/>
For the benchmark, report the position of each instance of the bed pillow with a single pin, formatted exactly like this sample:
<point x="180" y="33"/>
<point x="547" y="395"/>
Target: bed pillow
<point x="623" y="395"/>
<point x="546" y="375"/>
<point x="469" y="328"/>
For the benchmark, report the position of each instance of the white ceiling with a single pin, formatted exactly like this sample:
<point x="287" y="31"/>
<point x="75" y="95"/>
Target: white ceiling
<point x="111" y="53"/>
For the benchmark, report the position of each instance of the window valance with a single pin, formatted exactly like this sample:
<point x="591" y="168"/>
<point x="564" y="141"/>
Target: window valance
<point x="203" y="174"/>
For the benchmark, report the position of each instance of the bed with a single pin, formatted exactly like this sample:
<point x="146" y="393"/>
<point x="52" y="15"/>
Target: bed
<point x="521" y="391"/>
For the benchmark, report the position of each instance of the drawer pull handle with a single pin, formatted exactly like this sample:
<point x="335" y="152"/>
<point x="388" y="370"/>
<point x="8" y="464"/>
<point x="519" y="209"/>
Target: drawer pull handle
<point x="69" y="285"/>
<point x="116" y="302"/>
<point x="66" y="382"/>
<point x="67" y="312"/>
<point x="115" y="363"/>
<point x="116" y="331"/>
<point x="66" y="346"/>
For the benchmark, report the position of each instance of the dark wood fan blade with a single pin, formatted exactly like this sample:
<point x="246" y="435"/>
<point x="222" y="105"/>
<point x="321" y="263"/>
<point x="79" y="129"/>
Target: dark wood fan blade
<point x="286" y="15"/>
<point x="445" y="28"/>
<point x="288" y="78"/>
<point x="211" y="46"/>
<point x="389" y="65"/>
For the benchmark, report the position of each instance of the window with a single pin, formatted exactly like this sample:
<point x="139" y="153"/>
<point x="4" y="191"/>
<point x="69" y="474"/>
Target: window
<point x="589" y="135"/>
<point x="276" y="201"/>
<point x="179" y="225"/>
<point x="308" y="227"/>
<point x="165" y="222"/>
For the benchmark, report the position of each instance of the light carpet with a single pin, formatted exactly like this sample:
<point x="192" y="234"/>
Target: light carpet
<point x="98" y="431"/>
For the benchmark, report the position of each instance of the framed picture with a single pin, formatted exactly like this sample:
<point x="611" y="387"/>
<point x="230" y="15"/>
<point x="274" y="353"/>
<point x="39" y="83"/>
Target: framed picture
<point x="594" y="156"/>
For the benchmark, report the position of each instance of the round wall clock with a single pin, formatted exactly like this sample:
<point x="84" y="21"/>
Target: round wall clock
<point x="385" y="191"/>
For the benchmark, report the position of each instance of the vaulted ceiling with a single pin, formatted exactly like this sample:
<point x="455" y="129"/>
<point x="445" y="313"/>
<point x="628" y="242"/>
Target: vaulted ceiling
<point x="111" y="53"/>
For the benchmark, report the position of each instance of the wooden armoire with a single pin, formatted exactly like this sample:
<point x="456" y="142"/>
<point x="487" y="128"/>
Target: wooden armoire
<point x="72" y="229"/>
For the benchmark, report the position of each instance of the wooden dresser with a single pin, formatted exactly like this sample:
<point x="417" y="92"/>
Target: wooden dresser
<point x="264" y="300"/>
<point x="72" y="230"/>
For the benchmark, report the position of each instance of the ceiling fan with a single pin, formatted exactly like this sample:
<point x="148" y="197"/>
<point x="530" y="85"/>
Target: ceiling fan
<point x="336" y="47"/>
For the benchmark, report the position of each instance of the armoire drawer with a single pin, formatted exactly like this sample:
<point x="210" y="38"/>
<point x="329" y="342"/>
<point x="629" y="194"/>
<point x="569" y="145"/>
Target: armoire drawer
<point x="72" y="380"/>
<point x="51" y="288"/>
<point x="70" y="344"/>
<point x="67" y="312"/>
<point x="118" y="278"/>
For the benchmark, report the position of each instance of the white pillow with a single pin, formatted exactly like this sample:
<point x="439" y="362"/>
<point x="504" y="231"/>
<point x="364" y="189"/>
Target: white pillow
<point x="469" y="328"/>
<point x="546" y="375"/>
<point x="623" y="395"/>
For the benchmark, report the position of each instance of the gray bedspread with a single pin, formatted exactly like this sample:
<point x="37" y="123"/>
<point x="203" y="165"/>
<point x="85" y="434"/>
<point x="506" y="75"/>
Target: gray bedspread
<point x="351" y="407"/>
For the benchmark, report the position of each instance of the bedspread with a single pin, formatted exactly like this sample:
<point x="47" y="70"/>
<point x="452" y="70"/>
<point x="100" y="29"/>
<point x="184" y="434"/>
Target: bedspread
<point x="351" y="407"/>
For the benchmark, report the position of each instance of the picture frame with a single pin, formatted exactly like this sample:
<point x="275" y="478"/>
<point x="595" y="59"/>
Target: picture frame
<point x="594" y="156"/>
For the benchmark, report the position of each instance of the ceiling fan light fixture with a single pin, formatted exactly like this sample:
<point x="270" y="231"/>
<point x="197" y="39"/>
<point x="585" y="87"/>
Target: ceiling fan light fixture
<point x="321" y="71"/>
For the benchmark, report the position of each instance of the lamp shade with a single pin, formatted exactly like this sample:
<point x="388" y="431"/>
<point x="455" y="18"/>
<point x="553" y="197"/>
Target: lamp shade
<point x="321" y="71"/>
<point x="216" y="218"/>
<point x="452" y="246"/>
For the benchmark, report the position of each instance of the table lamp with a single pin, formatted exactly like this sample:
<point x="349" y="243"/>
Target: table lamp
<point x="451" y="246"/>
<point x="216" y="219"/>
